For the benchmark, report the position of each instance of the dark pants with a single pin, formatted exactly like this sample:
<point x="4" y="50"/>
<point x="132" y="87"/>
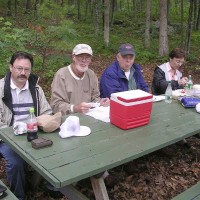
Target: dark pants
<point x="15" y="170"/>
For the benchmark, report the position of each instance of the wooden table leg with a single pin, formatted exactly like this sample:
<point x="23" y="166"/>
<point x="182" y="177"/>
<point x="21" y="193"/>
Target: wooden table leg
<point x="99" y="188"/>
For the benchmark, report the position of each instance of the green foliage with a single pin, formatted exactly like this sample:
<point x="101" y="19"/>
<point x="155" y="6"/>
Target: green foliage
<point x="52" y="39"/>
<point x="12" y="39"/>
<point x="60" y="30"/>
<point x="51" y="13"/>
<point x="145" y="55"/>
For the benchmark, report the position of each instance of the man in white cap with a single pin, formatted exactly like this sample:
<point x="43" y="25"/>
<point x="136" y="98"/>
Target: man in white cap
<point x="74" y="87"/>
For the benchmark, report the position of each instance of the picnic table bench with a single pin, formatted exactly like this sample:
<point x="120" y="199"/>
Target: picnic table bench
<point x="192" y="193"/>
<point x="72" y="159"/>
<point x="9" y="194"/>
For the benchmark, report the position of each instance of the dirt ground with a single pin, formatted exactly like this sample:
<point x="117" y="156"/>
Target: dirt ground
<point x="158" y="176"/>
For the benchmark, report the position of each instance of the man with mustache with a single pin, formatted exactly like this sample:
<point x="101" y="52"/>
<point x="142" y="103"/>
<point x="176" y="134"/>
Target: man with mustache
<point x="75" y="86"/>
<point x="19" y="90"/>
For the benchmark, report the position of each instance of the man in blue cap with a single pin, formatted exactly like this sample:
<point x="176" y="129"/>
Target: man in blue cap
<point x="123" y="74"/>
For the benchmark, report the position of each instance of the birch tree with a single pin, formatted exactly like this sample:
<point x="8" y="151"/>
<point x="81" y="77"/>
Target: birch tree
<point x="163" y="33"/>
<point x="148" y="21"/>
<point x="96" y="17"/>
<point x="189" y="27"/>
<point x="106" y="22"/>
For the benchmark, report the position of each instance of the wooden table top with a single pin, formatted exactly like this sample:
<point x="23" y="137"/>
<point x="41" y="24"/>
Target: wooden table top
<point x="72" y="159"/>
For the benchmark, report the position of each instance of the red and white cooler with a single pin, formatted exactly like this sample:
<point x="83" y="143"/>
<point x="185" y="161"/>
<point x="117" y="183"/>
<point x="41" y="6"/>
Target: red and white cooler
<point x="130" y="109"/>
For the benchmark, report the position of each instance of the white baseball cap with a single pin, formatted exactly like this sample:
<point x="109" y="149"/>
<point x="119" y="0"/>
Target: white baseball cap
<point x="71" y="127"/>
<point x="82" y="48"/>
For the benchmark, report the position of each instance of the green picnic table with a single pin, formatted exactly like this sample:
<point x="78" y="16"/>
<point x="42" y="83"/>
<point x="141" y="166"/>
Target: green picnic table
<point x="72" y="159"/>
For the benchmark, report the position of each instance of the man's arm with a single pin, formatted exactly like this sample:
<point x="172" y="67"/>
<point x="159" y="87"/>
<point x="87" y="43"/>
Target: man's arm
<point x="109" y="84"/>
<point x="59" y="96"/>
<point x="95" y="96"/>
<point x="44" y="105"/>
<point x="3" y="124"/>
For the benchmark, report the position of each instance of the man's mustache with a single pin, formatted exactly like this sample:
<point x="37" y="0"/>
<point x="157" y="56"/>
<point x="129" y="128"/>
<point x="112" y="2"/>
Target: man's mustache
<point x="22" y="76"/>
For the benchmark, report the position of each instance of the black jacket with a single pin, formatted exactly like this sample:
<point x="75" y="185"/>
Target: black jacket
<point x="159" y="83"/>
<point x="7" y="99"/>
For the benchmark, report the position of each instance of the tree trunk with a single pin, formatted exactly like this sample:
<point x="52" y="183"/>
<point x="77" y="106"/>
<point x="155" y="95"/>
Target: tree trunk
<point x="120" y="5"/>
<point x="28" y="6"/>
<point x="168" y="11"/>
<point x="35" y="9"/>
<point x="96" y="17"/>
<point x="79" y="9"/>
<point x="182" y="27"/>
<point x="134" y="8"/>
<point x="198" y="16"/>
<point x="106" y="22"/>
<point x="148" y="21"/>
<point x="195" y="13"/>
<point x="69" y="8"/>
<point x="189" y="28"/>
<point x="112" y="11"/>
<point x="128" y="6"/>
<point x="86" y="8"/>
<point x="163" y="37"/>
<point x="16" y="2"/>
<point x="103" y="13"/>
<point x="9" y="8"/>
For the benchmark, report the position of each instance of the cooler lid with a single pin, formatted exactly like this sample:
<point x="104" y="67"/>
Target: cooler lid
<point x="131" y="96"/>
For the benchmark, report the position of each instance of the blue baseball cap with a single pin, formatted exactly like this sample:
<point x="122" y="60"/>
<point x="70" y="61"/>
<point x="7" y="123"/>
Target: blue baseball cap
<point x="126" y="49"/>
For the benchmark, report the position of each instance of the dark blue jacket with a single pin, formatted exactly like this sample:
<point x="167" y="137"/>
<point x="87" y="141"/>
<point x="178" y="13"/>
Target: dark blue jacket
<point x="114" y="80"/>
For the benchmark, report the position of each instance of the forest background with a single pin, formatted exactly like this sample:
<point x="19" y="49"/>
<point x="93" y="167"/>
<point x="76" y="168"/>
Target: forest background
<point x="49" y="30"/>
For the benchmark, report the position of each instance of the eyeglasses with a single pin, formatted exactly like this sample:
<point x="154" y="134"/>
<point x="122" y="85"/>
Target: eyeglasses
<point x="179" y="62"/>
<point x="21" y="69"/>
<point x="83" y="57"/>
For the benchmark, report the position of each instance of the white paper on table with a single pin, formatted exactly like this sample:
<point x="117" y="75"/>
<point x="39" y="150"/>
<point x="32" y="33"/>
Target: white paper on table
<point x="100" y="113"/>
<point x="158" y="98"/>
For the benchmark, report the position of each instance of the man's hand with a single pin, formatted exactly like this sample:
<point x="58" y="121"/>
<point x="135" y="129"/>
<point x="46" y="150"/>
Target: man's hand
<point x="183" y="81"/>
<point x="82" y="107"/>
<point x="105" y="102"/>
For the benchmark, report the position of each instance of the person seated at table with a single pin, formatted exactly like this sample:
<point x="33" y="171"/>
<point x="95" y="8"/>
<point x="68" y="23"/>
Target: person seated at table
<point x="170" y="71"/>
<point x="123" y="74"/>
<point x="75" y="86"/>
<point x="19" y="90"/>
